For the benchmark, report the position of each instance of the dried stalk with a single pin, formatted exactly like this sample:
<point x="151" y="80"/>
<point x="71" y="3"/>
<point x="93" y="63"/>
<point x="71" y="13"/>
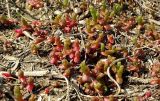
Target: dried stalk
<point x="154" y="21"/>
<point x="138" y="80"/>
<point x="8" y="9"/>
<point x="34" y="73"/>
<point x="112" y="79"/>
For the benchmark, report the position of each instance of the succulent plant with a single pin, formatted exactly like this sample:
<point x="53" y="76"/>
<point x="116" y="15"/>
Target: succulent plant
<point x="93" y="12"/>
<point x="18" y="94"/>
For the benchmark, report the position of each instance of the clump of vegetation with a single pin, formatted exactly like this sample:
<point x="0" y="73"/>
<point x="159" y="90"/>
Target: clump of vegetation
<point x="99" y="47"/>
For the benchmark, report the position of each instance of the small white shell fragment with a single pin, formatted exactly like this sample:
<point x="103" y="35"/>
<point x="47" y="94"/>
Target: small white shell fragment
<point x="82" y="22"/>
<point x="10" y="58"/>
<point x="57" y="12"/>
<point x="39" y="98"/>
<point x="77" y="10"/>
<point x="28" y="35"/>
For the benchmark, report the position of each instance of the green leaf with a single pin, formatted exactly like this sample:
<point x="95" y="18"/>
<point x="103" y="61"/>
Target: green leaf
<point x="105" y="89"/>
<point x="104" y="6"/>
<point x="97" y="85"/>
<point x="17" y="92"/>
<point x="112" y="14"/>
<point x="24" y="22"/>
<point x="65" y="3"/>
<point x="3" y="18"/>
<point x="117" y="8"/>
<point x="102" y="47"/>
<point x="93" y="12"/>
<point x="67" y="43"/>
<point x="120" y="71"/>
<point x="83" y="67"/>
<point x="139" y="20"/>
<point x="118" y="64"/>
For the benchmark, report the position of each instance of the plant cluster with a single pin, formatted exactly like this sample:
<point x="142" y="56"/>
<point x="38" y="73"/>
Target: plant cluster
<point x="106" y="35"/>
<point x="27" y="83"/>
<point x="6" y="22"/>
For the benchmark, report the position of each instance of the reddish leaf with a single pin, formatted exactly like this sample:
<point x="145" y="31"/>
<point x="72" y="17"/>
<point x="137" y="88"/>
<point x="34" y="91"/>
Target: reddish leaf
<point x="23" y="80"/>
<point x="30" y="87"/>
<point x="6" y="75"/>
<point x="47" y="90"/>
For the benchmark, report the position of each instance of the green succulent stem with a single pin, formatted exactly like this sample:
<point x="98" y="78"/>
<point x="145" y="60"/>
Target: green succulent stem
<point x="117" y="8"/>
<point x="120" y="71"/>
<point x="139" y="20"/>
<point x="67" y="43"/>
<point x="84" y="68"/>
<point x="104" y="6"/>
<point x="93" y="12"/>
<point x="24" y="22"/>
<point x="65" y="3"/>
<point x="17" y="93"/>
<point x="97" y="85"/>
<point x="102" y="47"/>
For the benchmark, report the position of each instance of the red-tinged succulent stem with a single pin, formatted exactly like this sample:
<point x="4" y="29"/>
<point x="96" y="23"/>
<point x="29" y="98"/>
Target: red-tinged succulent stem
<point x="36" y="4"/>
<point x="67" y="73"/>
<point x="87" y="48"/>
<point x="47" y="90"/>
<point x="86" y="78"/>
<point x="100" y="66"/>
<point x="76" y="45"/>
<point x="100" y="76"/>
<point x="110" y="39"/>
<point x="39" y="40"/>
<point x="107" y="27"/>
<point x="95" y="44"/>
<point x="30" y="84"/>
<point x="7" y="75"/>
<point x="54" y="59"/>
<point x="67" y="29"/>
<point x="57" y="41"/>
<point x="77" y="57"/>
<point x="100" y="37"/>
<point x="51" y="39"/>
<point x="107" y="52"/>
<point x="155" y="81"/>
<point x="36" y="23"/>
<point x="19" y="33"/>
<point x="21" y="77"/>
